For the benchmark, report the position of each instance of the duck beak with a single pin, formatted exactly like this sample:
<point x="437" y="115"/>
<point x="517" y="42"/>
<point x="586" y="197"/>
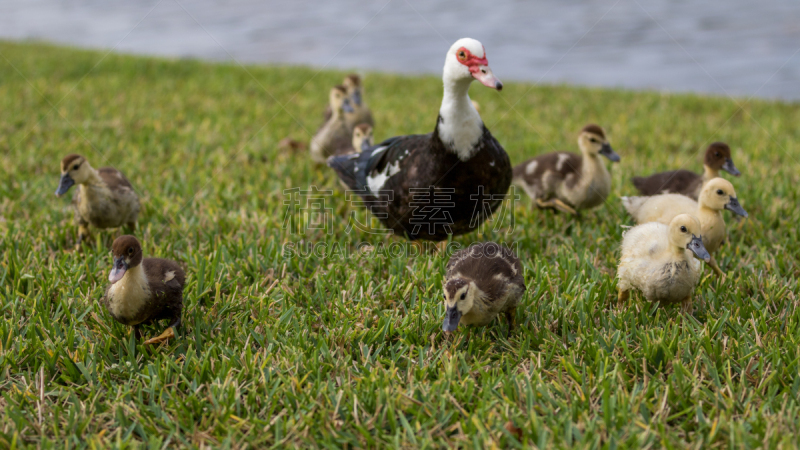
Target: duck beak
<point x="730" y="168"/>
<point x="451" y="318"/>
<point x="64" y="184"/>
<point x="486" y="77"/>
<point x="118" y="271"/>
<point x="357" y="97"/>
<point x="346" y="106"/>
<point x="699" y="250"/>
<point x="733" y="205"/>
<point x="609" y="152"/>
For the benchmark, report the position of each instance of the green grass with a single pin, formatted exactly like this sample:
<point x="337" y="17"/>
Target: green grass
<point x="329" y="351"/>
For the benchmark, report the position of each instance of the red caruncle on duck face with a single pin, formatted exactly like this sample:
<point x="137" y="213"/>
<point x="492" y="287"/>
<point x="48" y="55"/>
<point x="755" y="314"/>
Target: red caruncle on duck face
<point x="478" y="67"/>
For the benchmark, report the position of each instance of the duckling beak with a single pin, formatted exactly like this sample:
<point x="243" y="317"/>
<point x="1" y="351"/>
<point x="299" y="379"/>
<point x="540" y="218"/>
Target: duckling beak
<point x="484" y="74"/>
<point x="346" y="106"/>
<point x="733" y="205"/>
<point x="357" y="97"/>
<point x="730" y="168"/>
<point x="451" y="318"/>
<point x="64" y="184"/>
<point x="609" y="152"/>
<point x="699" y="250"/>
<point x="118" y="271"/>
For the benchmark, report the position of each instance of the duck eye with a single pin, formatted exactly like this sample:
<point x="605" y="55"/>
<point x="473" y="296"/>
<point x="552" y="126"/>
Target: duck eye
<point x="593" y="140"/>
<point x="683" y="229"/>
<point x="75" y="167"/>
<point x="716" y="154"/>
<point x="719" y="192"/>
<point x="130" y="250"/>
<point x="461" y="55"/>
<point x="463" y="296"/>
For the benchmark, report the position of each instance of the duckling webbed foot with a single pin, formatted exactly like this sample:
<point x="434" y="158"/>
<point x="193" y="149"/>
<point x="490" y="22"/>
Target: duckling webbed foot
<point x="556" y="204"/>
<point x="169" y="333"/>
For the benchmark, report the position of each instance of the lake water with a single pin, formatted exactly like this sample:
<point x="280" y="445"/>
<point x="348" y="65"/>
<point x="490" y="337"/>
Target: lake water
<point x="741" y="48"/>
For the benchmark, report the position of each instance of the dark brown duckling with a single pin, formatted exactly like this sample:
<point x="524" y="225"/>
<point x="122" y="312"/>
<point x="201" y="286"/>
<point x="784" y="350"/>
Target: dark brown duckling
<point x="144" y="290"/>
<point x="482" y="281"/>
<point x="688" y="183"/>
<point x="104" y="198"/>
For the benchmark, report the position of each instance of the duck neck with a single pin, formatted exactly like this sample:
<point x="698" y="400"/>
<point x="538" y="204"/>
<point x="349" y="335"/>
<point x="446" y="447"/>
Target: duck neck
<point x="93" y="179"/>
<point x="709" y="173"/>
<point x="460" y="126"/>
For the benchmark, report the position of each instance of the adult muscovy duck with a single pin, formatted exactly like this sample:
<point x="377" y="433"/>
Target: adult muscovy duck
<point x="428" y="186"/>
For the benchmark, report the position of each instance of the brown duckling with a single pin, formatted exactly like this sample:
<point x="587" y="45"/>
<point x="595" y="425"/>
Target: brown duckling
<point x="144" y="290"/>
<point x="334" y="137"/>
<point x="482" y="281"/>
<point x="685" y="182"/>
<point x="717" y="194"/>
<point x="362" y="137"/>
<point x="568" y="181"/>
<point x="104" y="198"/>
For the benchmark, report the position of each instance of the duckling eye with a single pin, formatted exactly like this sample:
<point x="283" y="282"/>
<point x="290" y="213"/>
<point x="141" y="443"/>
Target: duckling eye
<point x="463" y="296"/>
<point x="593" y="140"/>
<point x="75" y="167"/>
<point x="716" y="154"/>
<point x="719" y="192"/>
<point x="130" y="250"/>
<point x="683" y="229"/>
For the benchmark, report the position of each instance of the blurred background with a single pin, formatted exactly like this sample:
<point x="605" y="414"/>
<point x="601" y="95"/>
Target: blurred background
<point x="739" y="48"/>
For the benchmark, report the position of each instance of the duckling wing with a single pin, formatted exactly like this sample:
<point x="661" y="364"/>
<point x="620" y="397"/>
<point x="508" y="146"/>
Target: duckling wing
<point x="114" y="179"/>
<point x="675" y="181"/>
<point x="542" y="175"/>
<point x="164" y="275"/>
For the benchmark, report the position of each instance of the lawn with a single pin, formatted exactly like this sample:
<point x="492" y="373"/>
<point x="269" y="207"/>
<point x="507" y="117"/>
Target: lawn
<point x="344" y="348"/>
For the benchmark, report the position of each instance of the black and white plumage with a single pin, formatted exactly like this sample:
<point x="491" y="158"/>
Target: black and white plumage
<point x="482" y="281"/>
<point x="460" y="163"/>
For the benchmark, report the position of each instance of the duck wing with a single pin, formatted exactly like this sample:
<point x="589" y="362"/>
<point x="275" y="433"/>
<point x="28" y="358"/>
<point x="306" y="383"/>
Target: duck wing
<point x="368" y="170"/>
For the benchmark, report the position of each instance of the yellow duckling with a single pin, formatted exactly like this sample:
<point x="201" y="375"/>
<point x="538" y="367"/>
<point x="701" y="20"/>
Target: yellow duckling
<point x="717" y="194"/>
<point x="659" y="260"/>
<point x="104" y="197"/>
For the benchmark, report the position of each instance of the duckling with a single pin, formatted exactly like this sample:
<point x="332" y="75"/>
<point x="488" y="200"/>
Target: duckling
<point x="482" y="281"/>
<point x="718" y="156"/>
<point x="566" y="181"/>
<point x="362" y="137"/>
<point x="717" y="194"/>
<point x="355" y="92"/>
<point x="104" y="197"/>
<point x="334" y="137"/>
<point x="144" y="290"/>
<point x="659" y="260"/>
